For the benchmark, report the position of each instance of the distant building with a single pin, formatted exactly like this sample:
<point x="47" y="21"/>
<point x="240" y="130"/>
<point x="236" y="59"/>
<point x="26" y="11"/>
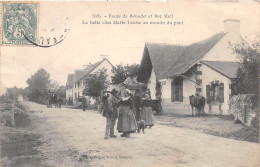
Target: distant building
<point x="69" y="87"/>
<point x="20" y="98"/>
<point x="205" y="67"/>
<point x="75" y="82"/>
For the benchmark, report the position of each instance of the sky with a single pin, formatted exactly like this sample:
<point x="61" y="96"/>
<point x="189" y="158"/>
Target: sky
<point x="84" y="43"/>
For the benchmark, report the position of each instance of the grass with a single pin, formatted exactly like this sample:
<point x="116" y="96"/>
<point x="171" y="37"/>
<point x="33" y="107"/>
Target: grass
<point x="19" y="144"/>
<point x="223" y="126"/>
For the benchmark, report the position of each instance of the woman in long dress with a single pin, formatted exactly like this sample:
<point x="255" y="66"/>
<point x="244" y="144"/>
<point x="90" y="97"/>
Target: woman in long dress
<point x="137" y="105"/>
<point x="126" y="121"/>
<point x="147" y="112"/>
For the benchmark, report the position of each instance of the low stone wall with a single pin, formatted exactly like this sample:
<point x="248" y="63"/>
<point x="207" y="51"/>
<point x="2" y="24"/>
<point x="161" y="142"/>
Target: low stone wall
<point x="243" y="108"/>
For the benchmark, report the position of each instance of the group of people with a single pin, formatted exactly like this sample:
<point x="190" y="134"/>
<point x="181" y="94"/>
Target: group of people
<point x="128" y="108"/>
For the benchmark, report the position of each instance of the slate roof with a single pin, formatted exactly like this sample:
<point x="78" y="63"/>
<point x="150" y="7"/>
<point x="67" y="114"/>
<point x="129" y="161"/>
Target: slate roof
<point x="228" y="69"/>
<point x="172" y="60"/>
<point x="79" y="74"/>
<point x="70" y="78"/>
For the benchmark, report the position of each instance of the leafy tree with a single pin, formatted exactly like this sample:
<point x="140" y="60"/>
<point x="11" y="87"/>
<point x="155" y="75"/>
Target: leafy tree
<point x="122" y="72"/>
<point x="62" y="93"/>
<point x="53" y="85"/>
<point x="37" y="86"/>
<point x="246" y="81"/>
<point x="96" y="82"/>
<point x="14" y="92"/>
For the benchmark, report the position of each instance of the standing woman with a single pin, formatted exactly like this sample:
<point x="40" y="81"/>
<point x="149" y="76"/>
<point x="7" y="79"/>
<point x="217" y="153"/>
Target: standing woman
<point x="147" y="112"/>
<point x="126" y="121"/>
<point x="137" y="104"/>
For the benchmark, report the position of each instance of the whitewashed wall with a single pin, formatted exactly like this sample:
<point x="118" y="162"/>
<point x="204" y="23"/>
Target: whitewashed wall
<point x="209" y="75"/>
<point x="69" y="93"/>
<point x="109" y="67"/>
<point x="152" y="85"/>
<point x="75" y="90"/>
<point x="177" y="107"/>
<point x="81" y="87"/>
<point x="223" y="51"/>
<point x="106" y="65"/>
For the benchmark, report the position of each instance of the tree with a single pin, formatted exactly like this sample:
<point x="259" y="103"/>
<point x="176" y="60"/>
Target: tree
<point x="246" y="81"/>
<point x="62" y="93"/>
<point x="122" y="72"/>
<point x="14" y="92"/>
<point x="96" y="82"/>
<point x="53" y="85"/>
<point x="37" y="86"/>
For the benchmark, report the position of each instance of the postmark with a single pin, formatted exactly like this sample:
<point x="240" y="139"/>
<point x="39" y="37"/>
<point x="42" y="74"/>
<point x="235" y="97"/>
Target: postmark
<point x="51" y="37"/>
<point x="19" y="23"/>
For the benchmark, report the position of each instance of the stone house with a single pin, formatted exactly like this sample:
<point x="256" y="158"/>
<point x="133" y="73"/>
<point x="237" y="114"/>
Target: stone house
<point x="75" y="82"/>
<point x="206" y="67"/>
<point x="69" y="87"/>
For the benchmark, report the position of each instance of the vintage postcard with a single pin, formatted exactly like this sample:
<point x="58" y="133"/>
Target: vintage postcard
<point x="128" y="83"/>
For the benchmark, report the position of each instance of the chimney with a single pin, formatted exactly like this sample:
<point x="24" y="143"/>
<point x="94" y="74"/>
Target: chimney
<point x="104" y="57"/>
<point x="232" y="26"/>
<point x="85" y="66"/>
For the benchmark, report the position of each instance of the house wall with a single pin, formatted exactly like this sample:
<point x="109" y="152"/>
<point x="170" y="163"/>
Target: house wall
<point x="81" y="87"/>
<point x="69" y="92"/>
<point x="109" y="68"/>
<point x="189" y="88"/>
<point x="177" y="107"/>
<point x="76" y="90"/>
<point x="79" y="90"/>
<point x="209" y="75"/>
<point x="105" y="64"/>
<point x="152" y="85"/>
<point x="222" y="51"/>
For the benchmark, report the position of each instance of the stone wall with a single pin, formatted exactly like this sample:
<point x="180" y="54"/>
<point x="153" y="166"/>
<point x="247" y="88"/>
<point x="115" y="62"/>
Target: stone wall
<point x="243" y="108"/>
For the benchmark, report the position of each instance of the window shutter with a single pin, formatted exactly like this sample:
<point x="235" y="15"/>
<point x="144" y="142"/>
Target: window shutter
<point x="172" y="90"/>
<point x="221" y="92"/>
<point x="212" y="93"/>
<point x="181" y="90"/>
<point x="208" y="93"/>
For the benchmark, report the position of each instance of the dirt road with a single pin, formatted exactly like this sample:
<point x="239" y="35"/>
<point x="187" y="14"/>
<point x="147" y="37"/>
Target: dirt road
<point x="75" y="138"/>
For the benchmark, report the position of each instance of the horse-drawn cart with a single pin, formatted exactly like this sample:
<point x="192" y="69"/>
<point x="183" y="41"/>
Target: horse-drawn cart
<point x="53" y="99"/>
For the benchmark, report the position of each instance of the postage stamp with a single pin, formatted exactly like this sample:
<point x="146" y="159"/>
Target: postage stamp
<point x="19" y="23"/>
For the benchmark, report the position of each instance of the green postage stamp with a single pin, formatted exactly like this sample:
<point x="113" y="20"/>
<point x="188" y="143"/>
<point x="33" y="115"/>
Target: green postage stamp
<point x="19" y="23"/>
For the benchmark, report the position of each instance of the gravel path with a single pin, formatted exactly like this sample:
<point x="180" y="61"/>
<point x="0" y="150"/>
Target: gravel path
<point x="75" y="138"/>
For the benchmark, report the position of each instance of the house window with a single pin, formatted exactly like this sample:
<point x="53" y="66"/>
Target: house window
<point x="215" y="92"/>
<point x="177" y="90"/>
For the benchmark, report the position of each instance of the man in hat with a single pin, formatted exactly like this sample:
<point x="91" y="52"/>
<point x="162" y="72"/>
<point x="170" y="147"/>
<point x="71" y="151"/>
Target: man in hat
<point x="84" y="103"/>
<point x="110" y="112"/>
